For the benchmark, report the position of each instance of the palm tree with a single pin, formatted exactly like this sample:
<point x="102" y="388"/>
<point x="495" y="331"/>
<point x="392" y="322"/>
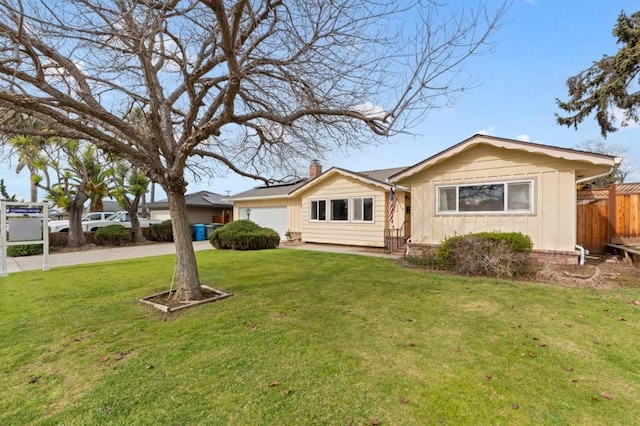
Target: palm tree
<point x="28" y="149"/>
<point x="99" y="179"/>
<point x="131" y="185"/>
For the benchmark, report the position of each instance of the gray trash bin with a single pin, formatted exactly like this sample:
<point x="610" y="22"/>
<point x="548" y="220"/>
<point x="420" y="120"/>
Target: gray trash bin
<point x="208" y="229"/>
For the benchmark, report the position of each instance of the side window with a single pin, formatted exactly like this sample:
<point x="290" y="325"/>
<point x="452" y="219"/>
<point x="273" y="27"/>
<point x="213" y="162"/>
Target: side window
<point x="318" y="210"/>
<point x="362" y="209"/>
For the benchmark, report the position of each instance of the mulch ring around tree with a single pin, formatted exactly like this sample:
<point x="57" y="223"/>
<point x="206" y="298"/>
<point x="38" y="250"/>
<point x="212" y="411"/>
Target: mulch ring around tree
<point x="165" y="303"/>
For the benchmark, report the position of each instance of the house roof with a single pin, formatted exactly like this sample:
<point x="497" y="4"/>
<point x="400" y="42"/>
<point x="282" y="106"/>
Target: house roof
<point x="591" y="159"/>
<point x="197" y="199"/>
<point x="372" y="177"/>
<point x="272" y="191"/>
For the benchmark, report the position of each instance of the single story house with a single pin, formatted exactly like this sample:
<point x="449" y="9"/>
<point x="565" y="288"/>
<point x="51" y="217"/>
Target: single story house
<point x="202" y="207"/>
<point x="483" y="183"/>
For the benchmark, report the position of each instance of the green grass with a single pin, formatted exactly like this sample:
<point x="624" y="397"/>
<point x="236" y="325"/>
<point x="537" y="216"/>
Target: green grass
<point x="346" y="337"/>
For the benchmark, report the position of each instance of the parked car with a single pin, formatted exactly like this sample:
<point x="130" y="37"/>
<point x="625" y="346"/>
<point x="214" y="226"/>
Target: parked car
<point x="63" y="225"/>
<point x="119" y="218"/>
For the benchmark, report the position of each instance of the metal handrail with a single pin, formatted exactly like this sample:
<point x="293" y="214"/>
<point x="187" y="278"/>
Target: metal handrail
<point x="394" y="238"/>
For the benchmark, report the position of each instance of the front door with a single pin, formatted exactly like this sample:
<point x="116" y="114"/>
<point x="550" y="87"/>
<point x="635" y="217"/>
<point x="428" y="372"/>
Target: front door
<point x="407" y="215"/>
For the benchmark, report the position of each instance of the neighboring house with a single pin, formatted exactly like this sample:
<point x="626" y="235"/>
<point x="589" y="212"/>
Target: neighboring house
<point x="484" y="183"/>
<point x="202" y="207"/>
<point x="111" y="206"/>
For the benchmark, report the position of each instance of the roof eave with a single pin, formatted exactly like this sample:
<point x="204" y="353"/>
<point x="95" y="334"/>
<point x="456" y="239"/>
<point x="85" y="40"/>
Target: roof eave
<point x="556" y="152"/>
<point x="336" y="170"/>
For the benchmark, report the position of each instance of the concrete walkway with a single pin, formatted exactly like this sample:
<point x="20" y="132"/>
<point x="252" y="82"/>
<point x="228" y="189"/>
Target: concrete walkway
<point x="30" y="263"/>
<point x="95" y="255"/>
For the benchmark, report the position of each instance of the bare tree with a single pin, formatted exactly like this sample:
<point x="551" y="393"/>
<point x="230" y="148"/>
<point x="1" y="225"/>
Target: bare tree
<point x="622" y="169"/>
<point x="251" y="86"/>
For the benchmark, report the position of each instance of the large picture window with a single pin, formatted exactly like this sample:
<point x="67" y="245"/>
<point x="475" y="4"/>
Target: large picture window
<point x="319" y="210"/>
<point x="362" y="209"/>
<point x="340" y="209"/>
<point x="516" y="197"/>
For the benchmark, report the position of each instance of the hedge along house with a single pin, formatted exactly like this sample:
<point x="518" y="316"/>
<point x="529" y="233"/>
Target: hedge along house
<point x="486" y="183"/>
<point x="334" y="207"/>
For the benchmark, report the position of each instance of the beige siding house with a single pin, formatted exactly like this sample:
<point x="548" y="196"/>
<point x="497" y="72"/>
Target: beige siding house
<point x="344" y="207"/>
<point x="484" y="183"/>
<point x="334" y="207"/>
<point x="493" y="184"/>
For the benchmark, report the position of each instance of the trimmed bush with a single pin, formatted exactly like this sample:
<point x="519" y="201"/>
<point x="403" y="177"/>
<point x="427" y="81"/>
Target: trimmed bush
<point x="244" y="235"/>
<point x="24" y="250"/>
<point x="112" y="235"/>
<point x="494" y="254"/>
<point x="163" y="231"/>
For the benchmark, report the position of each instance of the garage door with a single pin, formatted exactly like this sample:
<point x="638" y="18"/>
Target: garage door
<point x="270" y="217"/>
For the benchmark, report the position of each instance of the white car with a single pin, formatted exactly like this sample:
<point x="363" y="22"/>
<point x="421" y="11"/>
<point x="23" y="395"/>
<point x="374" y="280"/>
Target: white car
<point x="63" y="225"/>
<point x="120" y="218"/>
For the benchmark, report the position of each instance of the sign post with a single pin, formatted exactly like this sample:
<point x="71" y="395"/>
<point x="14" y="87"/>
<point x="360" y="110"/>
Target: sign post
<point x="23" y="223"/>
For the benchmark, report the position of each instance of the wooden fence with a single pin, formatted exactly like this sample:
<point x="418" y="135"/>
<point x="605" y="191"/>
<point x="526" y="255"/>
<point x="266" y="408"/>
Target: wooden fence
<point x="593" y="220"/>
<point x="608" y="216"/>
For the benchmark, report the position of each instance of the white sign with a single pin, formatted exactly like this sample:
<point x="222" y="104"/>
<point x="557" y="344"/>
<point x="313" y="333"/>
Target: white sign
<point x="32" y="229"/>
<point x="25" y="229"/>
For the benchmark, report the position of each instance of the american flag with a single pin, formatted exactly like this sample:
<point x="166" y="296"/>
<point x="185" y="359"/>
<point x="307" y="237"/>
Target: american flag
<point x="392" y="206"/>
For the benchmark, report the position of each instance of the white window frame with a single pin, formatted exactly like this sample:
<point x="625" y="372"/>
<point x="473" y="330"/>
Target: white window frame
<point x="504" y="211"/>
<point x="353" y="209"/>
<point x="311" y="209"/>
<point x="330" y="208"/>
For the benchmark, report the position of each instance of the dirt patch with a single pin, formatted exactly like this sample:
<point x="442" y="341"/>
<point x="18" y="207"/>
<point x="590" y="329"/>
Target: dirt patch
<point x="605" y="272"/>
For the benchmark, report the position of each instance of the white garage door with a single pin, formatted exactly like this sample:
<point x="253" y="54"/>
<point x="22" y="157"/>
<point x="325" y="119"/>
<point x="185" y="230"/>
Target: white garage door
<point x="269" y="217"/>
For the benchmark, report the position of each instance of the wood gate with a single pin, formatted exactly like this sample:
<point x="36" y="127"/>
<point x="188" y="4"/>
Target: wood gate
<point x="593" y="219"/>
<point x="609" y="216"/>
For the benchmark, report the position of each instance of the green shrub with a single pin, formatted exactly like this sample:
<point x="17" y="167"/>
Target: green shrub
<point x="161" y="231"/>
<point x="244" y="235"/>
<point x="24" y="250"/>
<point x="164" y="231"/>
<point x="115" y="235"/>
<point x="495" y="254"/>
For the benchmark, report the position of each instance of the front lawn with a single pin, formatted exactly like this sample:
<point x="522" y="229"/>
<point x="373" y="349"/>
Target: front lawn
<point x="313" y="338"/>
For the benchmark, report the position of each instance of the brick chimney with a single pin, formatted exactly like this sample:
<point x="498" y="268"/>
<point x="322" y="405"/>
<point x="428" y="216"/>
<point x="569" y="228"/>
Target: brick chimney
<point x="315" y="169"/>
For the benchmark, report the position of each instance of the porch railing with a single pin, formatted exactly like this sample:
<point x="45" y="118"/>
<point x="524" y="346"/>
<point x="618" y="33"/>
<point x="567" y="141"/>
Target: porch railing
<point x="395" y="238"/>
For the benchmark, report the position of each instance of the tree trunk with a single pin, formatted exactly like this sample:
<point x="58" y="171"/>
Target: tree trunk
<point x="76" y="233"/>
<point x="34" y="188"/>
<point x="132" y="209"/>
<point x="97" y="205"/>
<point x="188" y="280"/>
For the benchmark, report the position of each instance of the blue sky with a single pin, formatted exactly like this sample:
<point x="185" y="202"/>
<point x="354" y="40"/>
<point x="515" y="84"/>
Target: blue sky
<point x="542" y="43"/>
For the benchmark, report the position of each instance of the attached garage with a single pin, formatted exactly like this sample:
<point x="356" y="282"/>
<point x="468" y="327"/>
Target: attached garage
<point x="270" y="217"/>
<point x="271" y="207"/>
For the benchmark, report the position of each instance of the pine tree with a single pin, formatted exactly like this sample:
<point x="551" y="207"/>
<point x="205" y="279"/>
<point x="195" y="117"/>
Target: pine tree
<point x="606" y="87"/>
